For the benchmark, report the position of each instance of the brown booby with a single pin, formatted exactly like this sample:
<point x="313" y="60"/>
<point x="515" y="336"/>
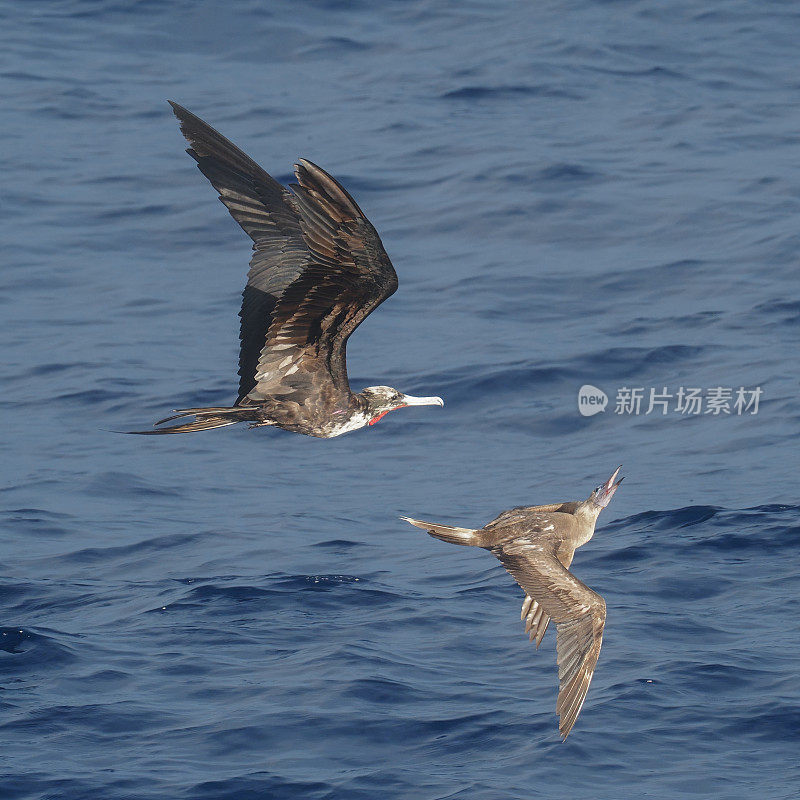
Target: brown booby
<point x="317" y="271"/>
<point x="536" y="545"/>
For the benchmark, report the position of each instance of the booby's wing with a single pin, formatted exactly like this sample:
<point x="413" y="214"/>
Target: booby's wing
<point x="537" y="522"/>
<point x="536" y="620"/>
<point x="317" y="271"/>
<point x="534" y="519"/>
<point x="579" y="614"/>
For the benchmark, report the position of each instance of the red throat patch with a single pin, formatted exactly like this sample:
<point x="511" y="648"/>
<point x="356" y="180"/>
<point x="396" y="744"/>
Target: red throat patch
<point x="383" y="414"/>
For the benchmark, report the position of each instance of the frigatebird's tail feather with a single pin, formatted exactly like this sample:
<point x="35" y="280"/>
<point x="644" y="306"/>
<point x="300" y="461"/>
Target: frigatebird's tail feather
<point x="447" y="533"/>
<point x="223" y="411"/>
<point x="205" y="419"/>
<point x="190" y="427"/>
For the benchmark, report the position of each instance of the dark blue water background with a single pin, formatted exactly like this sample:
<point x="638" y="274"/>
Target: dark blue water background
<point x="572" y="192"/>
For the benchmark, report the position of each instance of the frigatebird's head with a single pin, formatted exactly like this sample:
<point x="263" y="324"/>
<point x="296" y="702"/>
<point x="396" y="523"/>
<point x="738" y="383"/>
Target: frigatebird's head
<point x="380" y="400"/>
<point x="602" y="495"/>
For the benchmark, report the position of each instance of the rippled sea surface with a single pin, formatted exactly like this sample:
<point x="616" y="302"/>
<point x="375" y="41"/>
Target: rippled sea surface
<point x="602" y="193"/>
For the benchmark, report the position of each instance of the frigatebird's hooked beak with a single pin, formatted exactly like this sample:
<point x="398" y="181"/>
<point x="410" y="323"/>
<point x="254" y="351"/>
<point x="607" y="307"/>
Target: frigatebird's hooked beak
<point x="401" y="400"/>
<point x="410" y="400"/>
<point x="602" y="494"/>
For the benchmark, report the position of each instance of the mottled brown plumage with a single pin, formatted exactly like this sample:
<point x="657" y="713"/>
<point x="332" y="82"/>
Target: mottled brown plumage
<point x="318" y="270"/>
<point x="536" y="545"/>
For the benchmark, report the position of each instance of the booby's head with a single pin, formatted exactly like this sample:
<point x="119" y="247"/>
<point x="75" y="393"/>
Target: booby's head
<point x="602" y="495"/>
<point x="380" y="400"/>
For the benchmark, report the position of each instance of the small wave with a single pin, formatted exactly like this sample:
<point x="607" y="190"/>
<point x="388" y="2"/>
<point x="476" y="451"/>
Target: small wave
<point x="145" y="547"/>
<point x="673" y="518"/>
<point x="508" y="92"/>
<point x="339" y="545"/>
<point x="126" y="484"/>
<point x="29" y="649"/>
<point x="291" y="591"/>
<point x="257" y="786"/>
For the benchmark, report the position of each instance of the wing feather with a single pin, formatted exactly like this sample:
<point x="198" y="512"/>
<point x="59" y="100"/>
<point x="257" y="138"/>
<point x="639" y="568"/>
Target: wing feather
<point x="578" y="612"/>
<point x="350" y="278"/>
<point x="318" y="268"/>
<point x="263" y="208"/>
<point x="536" y="620"/>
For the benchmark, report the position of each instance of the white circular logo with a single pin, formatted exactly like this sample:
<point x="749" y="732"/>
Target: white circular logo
<point x="591" y="400"/>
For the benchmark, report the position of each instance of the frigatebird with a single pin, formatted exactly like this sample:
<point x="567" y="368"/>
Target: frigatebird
<point x="536" y="545"/>
<point x="318" y="270"/>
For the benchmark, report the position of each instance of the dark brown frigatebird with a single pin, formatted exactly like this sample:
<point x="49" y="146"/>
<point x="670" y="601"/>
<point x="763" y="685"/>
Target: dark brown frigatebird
<point x="318" y="270"/>
<point x="536" y="545"/>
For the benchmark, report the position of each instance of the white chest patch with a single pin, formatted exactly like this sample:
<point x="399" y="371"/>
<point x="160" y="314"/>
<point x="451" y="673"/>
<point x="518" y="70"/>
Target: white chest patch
<point x="353" y="424"/>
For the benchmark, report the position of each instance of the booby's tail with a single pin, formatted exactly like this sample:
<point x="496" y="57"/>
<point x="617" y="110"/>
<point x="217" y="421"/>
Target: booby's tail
<point x="205" y="419"/>
<point x="447" y="533"/>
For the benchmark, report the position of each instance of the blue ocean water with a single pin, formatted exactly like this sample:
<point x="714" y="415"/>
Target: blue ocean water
<point x="584" y="192"/>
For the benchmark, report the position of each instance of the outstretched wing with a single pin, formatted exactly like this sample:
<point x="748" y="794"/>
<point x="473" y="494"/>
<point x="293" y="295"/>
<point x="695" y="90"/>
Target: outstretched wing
<point x="317" y="271"/>
<point x="348" y="276"/>
<point x="579" y="614"/>
<point x="263" y="209"/>
<point x="536" y="620"/>
<point x="537" y="522"/>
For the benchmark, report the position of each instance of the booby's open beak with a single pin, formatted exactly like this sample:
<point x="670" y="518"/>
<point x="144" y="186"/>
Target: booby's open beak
<point x="606" y="491"/>
<point x="410" y="400"/>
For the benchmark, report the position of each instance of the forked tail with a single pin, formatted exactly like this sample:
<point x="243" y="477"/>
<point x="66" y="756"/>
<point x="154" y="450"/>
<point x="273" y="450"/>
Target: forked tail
<point x="447" y="533"/>
<point x="205" y="420"/>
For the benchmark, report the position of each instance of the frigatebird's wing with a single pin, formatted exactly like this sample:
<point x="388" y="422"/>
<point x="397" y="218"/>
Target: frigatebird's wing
<point x="348" y="276"/>
<point x="579" y="614"/>
<point x="263" y="209"/>
<point x="317" y="271"/>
